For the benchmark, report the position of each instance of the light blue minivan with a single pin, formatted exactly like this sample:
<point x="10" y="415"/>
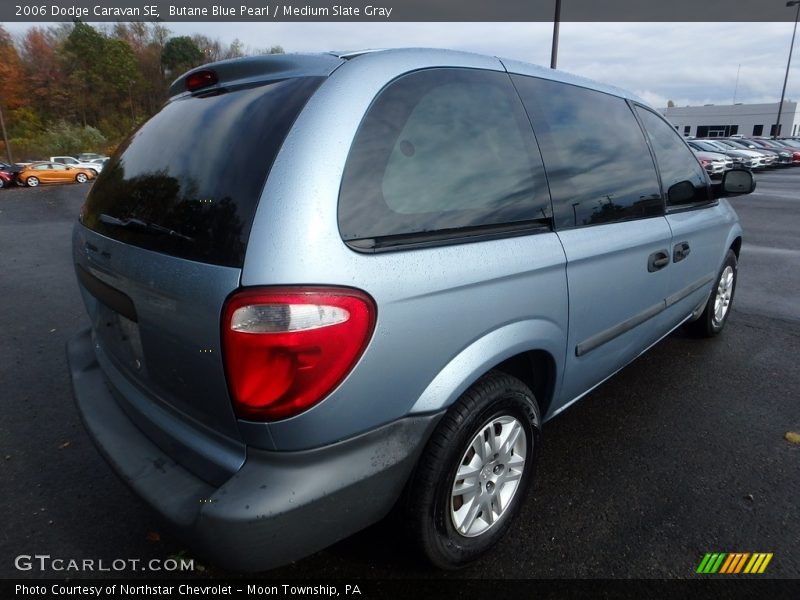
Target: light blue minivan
<point x="325" y="287"/>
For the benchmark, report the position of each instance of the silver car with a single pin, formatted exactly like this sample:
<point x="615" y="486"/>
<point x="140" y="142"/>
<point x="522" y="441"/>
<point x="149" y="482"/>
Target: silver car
<point x="325" y="286"/>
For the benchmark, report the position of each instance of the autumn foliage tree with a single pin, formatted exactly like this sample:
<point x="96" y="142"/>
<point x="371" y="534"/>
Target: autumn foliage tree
<point x="12" y="85"/>
<point x="44" y="76"/>
<point x="73" y="85"/>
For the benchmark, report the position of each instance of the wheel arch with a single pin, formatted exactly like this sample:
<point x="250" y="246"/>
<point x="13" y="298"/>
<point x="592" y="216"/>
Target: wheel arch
<point x="736" y="246"/>
<point x="537" y="370"/>
<point x="531" y="351"/>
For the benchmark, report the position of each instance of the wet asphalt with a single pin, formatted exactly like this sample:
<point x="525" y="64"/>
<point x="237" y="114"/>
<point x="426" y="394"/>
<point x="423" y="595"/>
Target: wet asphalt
<point x="682" y="453"/>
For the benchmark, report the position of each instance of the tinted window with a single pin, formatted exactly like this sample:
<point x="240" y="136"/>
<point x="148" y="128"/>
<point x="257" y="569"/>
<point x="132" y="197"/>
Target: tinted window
<point x="682" y="177"/>
<point x="441" y="150"/>
<point x="187" y="183"/>
<point x="598" y="164"/>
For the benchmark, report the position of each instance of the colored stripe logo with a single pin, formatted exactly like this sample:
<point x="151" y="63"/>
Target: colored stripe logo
<point x="734" y="563"/>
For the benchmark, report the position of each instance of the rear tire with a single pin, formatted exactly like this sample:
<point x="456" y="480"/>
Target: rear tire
<point x="720" y="302"/>
<point x="484" y="447"/>
<point x="81" y="178"/>
<point x="32" y="181"/>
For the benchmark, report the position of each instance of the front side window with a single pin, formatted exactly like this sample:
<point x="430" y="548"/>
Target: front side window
<point x="439" y="152"/>
<point x="598" y="164"/>
<point x="683" y="179"/>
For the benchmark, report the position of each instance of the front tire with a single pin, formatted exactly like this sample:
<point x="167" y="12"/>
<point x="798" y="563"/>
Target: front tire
<point x="474" y="472"/>
<point x="81" y="178"/>
<point x="719" y="304"/>
<point x="32" y="181"/>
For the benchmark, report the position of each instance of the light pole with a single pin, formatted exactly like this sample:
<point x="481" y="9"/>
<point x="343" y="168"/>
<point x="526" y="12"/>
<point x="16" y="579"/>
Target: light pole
<point x="788" y="62"/>
<point x="554" y="51"/>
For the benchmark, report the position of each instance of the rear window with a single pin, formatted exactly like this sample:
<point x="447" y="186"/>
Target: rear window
<point x="187" y="183"/>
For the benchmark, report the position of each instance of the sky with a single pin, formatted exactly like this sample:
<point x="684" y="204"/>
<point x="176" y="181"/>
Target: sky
<point x="688" y="63"/>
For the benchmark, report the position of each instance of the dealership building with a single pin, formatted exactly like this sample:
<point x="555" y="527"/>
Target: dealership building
<point x="720" y="120"/>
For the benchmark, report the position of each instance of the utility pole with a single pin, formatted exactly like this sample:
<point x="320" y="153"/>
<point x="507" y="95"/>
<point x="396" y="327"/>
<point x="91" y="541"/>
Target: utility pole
<point x="788" y="63"/>
<point x="554" y="51"/>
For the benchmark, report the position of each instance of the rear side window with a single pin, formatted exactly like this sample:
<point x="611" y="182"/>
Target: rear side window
<point x="187" y="183"/>
<point x="441" y="151"/>
<point x="683" y="178"/>
<point x="598" y="164"/>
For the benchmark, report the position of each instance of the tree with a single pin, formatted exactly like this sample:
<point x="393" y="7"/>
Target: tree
<point x="235" y="50"/>
<point x="181" y="54"/>
<point x="119" y="68"/>
<point x="670" y="104"/>
<point x="147" y="42"/>
<point x="211" y="49"/>
<point x="12" y="89"/>
<point x="82" y="55"/>
<point x="47" y="85"/>
<point x="12" y="85"/>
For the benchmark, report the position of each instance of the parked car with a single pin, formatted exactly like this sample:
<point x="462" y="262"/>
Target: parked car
<point x="714" y="163"/>
<point x="771" y="158"/>
<point x="77" y="164"/>
<point x="740" y="158"/>
<point x="47" y="172"/>
<point x="789" y="155"/>
<point x="10" y="168"/>
<point x="764" y="159"/>
<point x="396" y="283"/>
<point x="90" y="157"/>
<point x="6" y="179"/>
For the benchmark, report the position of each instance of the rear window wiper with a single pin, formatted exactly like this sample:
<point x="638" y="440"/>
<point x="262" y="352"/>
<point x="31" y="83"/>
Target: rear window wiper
<point x="144" y="226"/>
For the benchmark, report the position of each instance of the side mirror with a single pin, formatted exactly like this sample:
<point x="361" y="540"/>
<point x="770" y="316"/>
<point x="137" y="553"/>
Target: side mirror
<point x="69" y="168"/>
<point x="735" y="182"/>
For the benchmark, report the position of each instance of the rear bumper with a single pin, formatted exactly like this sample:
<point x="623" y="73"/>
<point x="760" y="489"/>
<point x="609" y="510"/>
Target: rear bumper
<point x="279" y="506"/>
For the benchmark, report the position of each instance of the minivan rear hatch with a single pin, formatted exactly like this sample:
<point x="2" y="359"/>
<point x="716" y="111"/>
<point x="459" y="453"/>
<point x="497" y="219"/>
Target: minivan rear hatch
<point x="161" y="243"/>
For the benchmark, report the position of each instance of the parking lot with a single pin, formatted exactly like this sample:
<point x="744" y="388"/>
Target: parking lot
<point x="680" y="454"/>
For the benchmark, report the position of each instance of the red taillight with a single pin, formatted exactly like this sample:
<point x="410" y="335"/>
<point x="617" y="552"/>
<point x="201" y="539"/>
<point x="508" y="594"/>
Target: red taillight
<point x="285" y="349"/>
<point x="200" y="79"/>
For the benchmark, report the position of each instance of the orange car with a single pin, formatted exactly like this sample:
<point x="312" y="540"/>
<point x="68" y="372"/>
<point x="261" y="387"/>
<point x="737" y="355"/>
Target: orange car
<point x="47" y="172"/>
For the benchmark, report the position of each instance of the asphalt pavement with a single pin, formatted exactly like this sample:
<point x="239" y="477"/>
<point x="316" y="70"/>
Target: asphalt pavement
<point x="680" y="454"/>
